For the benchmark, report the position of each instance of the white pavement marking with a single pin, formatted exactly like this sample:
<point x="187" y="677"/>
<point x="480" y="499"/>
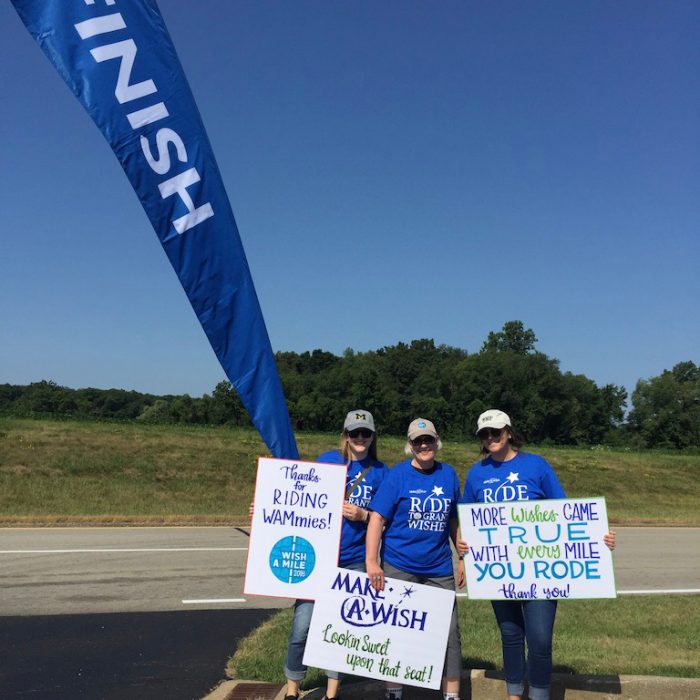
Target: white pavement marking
<point x="205" y="601"/>
<point x="670" y="591"/>
<point x="109" y="551"/>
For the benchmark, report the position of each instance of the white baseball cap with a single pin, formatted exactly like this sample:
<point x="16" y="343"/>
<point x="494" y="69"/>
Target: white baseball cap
<point x="492" y="418"/>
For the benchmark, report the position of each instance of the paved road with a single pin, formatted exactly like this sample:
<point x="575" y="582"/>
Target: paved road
<point x="98" y="570"/>
<point x="93" y="570"/>
<point x="119" y="656"/>
<point x="657" y="559"/>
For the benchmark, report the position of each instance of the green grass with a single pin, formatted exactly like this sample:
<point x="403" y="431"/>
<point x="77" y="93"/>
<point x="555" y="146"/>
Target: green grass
<point x="627" y="636"/>
<point x="65" y="471"/>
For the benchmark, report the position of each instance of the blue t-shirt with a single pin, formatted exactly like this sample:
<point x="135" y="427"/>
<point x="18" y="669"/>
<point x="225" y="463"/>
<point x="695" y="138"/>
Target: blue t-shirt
<point x="526" y="477"/>
<point x="354" y="532"/>
<point x="418" y="507"/>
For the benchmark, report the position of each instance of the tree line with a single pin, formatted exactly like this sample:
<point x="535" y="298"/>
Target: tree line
<point x="400" y="382"/>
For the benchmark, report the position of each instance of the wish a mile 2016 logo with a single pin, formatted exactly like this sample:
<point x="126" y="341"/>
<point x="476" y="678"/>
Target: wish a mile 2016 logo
<point x="292" y="559"/>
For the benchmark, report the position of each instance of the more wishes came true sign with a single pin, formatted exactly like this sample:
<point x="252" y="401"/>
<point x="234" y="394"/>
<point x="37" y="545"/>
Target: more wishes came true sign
<point x="295" y="533"/>
<point x="397" y="635"/>
<point x="530" y="550"/>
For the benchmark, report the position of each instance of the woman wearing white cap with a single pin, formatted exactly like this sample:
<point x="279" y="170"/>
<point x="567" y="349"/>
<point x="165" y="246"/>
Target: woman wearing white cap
<point x="416" y="544"/>
<point x="358" y="450"/>
<point x="507" y="474"/>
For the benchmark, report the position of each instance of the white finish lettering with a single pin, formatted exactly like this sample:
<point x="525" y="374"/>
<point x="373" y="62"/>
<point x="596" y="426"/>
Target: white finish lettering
<point x="100" y="25"/>
<point x="178" y="185"/>
<point x="161" y="165"/>
<point x="148" y="115"/>
<point x="126" y="52"/>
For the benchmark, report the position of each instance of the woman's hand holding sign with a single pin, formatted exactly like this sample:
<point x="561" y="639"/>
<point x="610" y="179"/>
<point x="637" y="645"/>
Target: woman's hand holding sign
<point x="353" y="512"/>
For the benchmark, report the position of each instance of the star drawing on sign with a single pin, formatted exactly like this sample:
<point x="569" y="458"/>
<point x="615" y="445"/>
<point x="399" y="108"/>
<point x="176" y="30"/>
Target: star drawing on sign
<point x="513" y="477"/>
<point x="408" y="592"/>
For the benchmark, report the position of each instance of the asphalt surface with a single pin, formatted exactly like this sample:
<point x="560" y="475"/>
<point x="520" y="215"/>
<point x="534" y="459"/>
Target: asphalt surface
<point x="119" y="656"/>
<point x="657" y="559"/>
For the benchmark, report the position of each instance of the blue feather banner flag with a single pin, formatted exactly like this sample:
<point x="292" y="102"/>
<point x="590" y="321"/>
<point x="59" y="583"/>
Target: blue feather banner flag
<point x="119" y="61"/>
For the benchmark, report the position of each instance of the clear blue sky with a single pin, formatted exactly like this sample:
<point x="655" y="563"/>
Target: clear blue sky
<point x="398" y="170"/>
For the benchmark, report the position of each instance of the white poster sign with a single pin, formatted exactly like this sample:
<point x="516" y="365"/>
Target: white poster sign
<point x="295" y="533"/>
<point x="397" y="635"/>
<point x="546" y="549"/>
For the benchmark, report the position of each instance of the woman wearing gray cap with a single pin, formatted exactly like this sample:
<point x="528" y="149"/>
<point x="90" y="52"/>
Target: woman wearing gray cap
<point x="358" y="451"/>
<point x="416" y="544"/>
<point x="507" y="474"/>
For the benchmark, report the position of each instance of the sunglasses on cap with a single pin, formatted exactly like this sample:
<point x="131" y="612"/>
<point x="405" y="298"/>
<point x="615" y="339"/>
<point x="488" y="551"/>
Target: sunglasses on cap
<point x="490" y="432"/>
<point x="360" y="432"/>
<point x="427" y="439"/>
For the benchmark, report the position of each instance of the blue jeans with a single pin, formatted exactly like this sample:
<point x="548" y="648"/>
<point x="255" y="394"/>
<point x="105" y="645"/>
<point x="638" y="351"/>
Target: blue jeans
<point x="294" y="669"/>
<point x="531" y="621"/>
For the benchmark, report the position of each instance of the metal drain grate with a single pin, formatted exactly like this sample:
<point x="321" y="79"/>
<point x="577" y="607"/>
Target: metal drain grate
<point x="255" y="691"/>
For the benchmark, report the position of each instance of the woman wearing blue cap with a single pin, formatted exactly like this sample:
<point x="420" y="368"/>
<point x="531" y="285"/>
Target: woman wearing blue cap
<point x="507" y="474"/>
<point x="417" y="504"/>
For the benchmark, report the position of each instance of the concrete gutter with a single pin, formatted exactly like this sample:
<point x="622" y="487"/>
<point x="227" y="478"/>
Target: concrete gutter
<point x="489" y="685"/>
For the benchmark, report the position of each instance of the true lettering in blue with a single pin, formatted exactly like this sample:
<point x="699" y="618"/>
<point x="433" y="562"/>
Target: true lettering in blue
<point x="544" y="532"/>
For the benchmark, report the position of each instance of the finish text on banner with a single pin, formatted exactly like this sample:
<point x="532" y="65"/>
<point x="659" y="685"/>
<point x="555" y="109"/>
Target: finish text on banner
<point x="530" y="550"/>
<point x="295" y="533"/>
<point x="119" y="62"/>
<point x="397" y="635"/>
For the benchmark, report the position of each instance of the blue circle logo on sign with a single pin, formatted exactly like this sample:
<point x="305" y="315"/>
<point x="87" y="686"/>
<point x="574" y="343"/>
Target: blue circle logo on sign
<point x="292" y="559"/>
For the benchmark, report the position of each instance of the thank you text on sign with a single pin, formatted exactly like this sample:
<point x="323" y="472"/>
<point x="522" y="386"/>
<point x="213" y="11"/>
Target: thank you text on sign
<point x="295" y="533"/>
<point x="397" y="635"/>
<point x="530" y="550"/>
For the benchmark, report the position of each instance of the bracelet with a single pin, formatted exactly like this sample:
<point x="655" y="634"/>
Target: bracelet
<point x="366" y="518"/>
